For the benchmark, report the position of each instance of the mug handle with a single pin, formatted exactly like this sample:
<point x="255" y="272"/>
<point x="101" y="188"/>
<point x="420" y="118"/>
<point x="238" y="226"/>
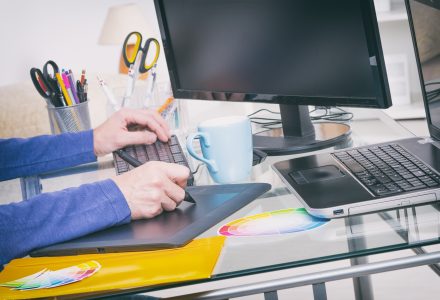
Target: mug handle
<point x="189" y="145"/>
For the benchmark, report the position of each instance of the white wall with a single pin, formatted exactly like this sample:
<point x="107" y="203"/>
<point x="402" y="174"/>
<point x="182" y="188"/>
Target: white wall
<point x="32" y="32"/>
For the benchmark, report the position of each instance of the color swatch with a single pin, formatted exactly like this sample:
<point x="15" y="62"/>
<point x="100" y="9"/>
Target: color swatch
<point x="48" y="279"/>
<point x="272" y="223"/>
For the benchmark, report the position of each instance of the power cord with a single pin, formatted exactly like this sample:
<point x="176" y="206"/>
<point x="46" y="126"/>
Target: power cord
<point x="319" y="113"/>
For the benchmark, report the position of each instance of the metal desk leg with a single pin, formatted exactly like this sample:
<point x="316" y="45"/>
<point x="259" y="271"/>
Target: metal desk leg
<point x="319" y="292"/>
<point x="30" y="187"/>
<point x="403" y="233"/>
<point x="362" y="285"/>
<point x="271" y="295"/>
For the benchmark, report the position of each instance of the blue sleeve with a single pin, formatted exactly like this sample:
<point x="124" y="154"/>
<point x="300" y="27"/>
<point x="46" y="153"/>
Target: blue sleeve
<point x="32" y="156"/>
<point x="60" y="216"/>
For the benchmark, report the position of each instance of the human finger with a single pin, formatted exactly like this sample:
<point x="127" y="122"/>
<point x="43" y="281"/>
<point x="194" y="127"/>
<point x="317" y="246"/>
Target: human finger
<point x="151" y="120"/>
<point x="176" y="173"/>
<point x="138" y="138"/>
<point x="168" y="204"/>
<point x="174" y="191"/>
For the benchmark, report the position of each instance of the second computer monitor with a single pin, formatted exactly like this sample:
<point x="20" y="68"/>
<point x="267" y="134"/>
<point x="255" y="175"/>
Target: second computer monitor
<point x="286" y="52"/>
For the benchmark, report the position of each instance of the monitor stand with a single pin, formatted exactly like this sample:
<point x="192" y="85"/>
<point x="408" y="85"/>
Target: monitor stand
<point x="299" y="134"/>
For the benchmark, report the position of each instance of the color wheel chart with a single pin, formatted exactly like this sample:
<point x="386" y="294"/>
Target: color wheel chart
<point x="49" y="279"/>
<point x="272" y="223"/>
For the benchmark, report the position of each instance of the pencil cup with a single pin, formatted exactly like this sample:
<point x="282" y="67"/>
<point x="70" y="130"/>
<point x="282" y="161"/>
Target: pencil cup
<point x="73" y="118"/>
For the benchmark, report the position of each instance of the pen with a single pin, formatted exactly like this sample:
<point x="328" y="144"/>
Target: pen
<point x="135" y="163"/>
<point x="85" y="87"/>
<point x="130" y="85"/>
<point x="83" y="76"/>
<point x="80" y="91"/>
<point x="133" y="73"/>
<point x="63" y="89"/>
<point x="108" y="93"/>
<point x="72" y="86"/>
<point x="151" y="80"/>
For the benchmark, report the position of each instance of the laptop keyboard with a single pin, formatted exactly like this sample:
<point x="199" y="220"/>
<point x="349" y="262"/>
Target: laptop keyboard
<point x="170" y="152"/>
<point x="388" y="169"/>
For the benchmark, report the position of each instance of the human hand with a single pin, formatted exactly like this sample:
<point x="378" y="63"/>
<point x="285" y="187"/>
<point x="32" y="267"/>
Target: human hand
<point x="113" y="134"/>
<point x="152" y="188"/>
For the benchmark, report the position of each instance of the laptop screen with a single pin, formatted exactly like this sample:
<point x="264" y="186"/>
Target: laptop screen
<point x="426" y="29"/>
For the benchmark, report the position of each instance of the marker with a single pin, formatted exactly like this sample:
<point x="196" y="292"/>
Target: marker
<point x="72" y="86"/>
<point x="69" y="90"/>
<point x="165" y="105"/>
<point x="63" y="89"/>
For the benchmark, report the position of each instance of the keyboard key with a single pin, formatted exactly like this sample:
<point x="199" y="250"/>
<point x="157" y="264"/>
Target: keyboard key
<point x="418" y="173"/>
<point x="354" y="166"/>
<point x="168" y="152"/>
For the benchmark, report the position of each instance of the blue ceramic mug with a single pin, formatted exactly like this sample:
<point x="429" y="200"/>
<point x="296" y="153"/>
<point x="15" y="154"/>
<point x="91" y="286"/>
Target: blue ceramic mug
<point x="226" y="145"/>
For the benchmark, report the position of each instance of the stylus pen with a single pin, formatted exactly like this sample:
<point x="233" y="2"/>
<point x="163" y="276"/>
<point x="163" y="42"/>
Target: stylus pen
<point x="135" y="163"/>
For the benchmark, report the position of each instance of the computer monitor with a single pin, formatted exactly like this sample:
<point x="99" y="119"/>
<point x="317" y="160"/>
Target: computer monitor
<point x="291" y="53"/>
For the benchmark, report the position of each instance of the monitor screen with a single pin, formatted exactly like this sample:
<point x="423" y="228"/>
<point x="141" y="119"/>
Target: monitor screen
<point x="426" y="26"/>
<point x="305" y="52"/>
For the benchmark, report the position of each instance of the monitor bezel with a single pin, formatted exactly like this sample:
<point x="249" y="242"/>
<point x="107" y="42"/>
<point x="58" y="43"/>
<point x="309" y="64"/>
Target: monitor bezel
<point x="433" y="130"/>
<point x="382" y="99"/>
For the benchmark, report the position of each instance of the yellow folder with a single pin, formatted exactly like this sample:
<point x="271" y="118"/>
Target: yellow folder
<point x="120" y="271"/>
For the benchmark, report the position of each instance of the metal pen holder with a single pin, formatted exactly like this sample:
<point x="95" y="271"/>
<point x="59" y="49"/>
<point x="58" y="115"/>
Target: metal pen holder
<point x="73" y="118"/>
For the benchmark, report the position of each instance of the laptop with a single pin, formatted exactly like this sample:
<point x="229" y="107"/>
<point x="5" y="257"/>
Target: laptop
<point x="382" y="176"/>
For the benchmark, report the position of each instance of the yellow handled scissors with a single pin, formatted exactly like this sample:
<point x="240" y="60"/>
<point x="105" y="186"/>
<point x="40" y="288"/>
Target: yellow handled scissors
<point x="130" y="58"/>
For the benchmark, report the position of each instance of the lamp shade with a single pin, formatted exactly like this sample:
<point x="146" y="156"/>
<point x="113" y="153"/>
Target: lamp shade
<point x="120" y="21"/>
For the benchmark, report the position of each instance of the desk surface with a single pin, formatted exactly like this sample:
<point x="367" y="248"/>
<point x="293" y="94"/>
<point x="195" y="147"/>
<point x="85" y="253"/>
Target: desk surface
<point x="338" y="239"/>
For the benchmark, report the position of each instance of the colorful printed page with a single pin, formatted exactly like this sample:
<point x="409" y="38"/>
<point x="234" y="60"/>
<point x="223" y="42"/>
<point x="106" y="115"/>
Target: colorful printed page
<point x="118" y="271"/>
<point x="272" y="223"/>
<point x="46" y="279"/>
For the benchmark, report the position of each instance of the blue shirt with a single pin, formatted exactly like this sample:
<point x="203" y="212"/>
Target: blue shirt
<point x="59" y="216"/>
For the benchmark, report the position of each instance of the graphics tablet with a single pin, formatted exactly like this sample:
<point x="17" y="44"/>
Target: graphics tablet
<point x="170" y="229"/>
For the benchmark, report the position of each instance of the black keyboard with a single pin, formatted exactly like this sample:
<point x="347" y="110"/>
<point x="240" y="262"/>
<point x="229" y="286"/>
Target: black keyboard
<point x="170" y="152"/>
<point x="388" y="169"/>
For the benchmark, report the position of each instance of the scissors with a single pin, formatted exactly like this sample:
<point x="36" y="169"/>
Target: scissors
<point x="136" y="60"/>
<point x="139" y="50"/>
<point x="46" y="83"/>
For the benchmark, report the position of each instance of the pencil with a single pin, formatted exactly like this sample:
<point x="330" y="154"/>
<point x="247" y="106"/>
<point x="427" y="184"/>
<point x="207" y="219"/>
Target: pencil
<point x="63" y="89"/>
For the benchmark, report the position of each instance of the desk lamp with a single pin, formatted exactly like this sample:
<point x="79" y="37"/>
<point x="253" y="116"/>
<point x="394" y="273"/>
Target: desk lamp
<point x="119" y="22"/>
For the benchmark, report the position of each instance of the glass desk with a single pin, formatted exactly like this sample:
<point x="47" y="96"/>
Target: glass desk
<point x="345" y="238"/>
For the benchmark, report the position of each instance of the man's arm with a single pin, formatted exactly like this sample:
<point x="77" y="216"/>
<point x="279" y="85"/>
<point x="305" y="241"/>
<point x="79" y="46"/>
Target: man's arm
<point x="56" y="217"/>
<point x="32" y="156"/>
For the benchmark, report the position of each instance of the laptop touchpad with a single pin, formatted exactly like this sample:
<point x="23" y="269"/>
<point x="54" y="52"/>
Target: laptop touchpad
<point x="316" y="174"/>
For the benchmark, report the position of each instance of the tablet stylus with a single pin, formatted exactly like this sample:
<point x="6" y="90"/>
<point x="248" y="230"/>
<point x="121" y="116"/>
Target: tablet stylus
<point x="135" y="163"/>
<point x="188" y="198"/>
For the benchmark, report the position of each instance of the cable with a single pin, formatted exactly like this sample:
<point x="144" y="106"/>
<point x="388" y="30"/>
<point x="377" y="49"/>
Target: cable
<point x="197" y="169"/>
<point x="327" y="114"/>
<point x="263" y="109"/>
